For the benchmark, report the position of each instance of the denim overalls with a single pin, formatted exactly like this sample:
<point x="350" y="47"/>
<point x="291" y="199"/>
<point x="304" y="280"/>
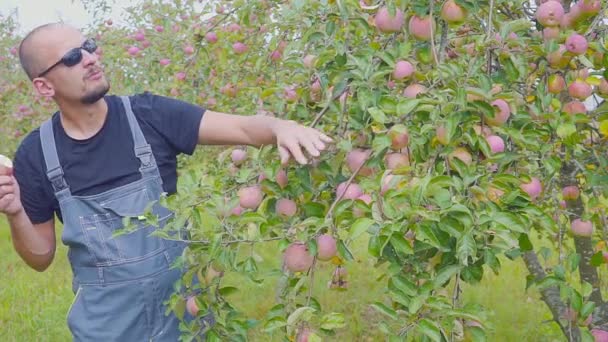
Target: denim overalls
<point x="120" y="282"/>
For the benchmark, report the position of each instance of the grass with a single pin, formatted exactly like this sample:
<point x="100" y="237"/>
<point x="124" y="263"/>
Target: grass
<point x="33" y="305"/>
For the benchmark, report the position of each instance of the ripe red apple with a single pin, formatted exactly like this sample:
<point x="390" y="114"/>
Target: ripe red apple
<point x="577" y="44"/>
<point x="239" y="48"/>
<point x="191" y="306"/>
<point x="297" y="258"/>
<point x="211" y="37"/>
<point x="413" y="90"/>
<point x="580" y="89"/>
<point x="396" y="160"/>
<point x="326" y="247"/>
<point x="497" y="145"/>
<point x="139" y="36"/>
<point x="289" y="93"/>
<point x="602" y="89"/>
<point x="286" y="207"/>
<point x="462" y="154"/>
<point x="533" y="188"/>
<point x="442" y="135"/>
<point x="556" y="84"/>
<point x="421" y="27"/>
<point x="159" y="28"/>
<point x="599" y="335"/>
<point x="238" y="156"/>
<point x="570" y="192"/>
<point x="164" y="61"/>
<point x="403" y="69"/>
<point x="500" y="117"/>
<point x="133" y="51"/>
<point x="188" y="49"/>
<point x="281" y="178"/>
<point x="356" y="158"/>
<point x="352" y="192"/>
<point x="250" y="197"/>
<point x="452" y="13"/>
<point x="574" y="107"/>
<point x="550" y="13"/>
<point x="180" y="76"/>
<point x="237" y="211"/>
<point x="582" y="228"/>
<point x="399" y="136"/>
<point x="309" y="61"/>
<point x="387" y="23"/>
<point x="275" y="55"/>
<point x="589" y="7"/>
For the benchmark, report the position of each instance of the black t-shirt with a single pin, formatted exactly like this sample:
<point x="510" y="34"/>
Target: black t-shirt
<point x="107" y="160"/>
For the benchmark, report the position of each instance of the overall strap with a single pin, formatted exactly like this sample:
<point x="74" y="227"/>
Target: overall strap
<point x="54" y="172"/>
<point x="143" y="151"/>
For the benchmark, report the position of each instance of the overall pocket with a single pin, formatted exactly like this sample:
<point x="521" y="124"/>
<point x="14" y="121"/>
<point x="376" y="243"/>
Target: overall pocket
<point x="106" y="236"/>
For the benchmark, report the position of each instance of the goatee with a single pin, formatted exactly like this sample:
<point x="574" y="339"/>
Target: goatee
<point x="96" y="95"/>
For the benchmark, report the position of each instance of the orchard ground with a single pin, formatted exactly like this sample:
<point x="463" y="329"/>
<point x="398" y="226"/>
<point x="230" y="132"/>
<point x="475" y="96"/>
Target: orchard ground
<point x="33" y="306"/>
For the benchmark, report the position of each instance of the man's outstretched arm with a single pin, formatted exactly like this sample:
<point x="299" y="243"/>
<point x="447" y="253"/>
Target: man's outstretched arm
<point x="290" y="137"/>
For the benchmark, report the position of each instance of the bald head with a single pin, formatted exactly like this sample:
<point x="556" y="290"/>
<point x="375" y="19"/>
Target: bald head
<point x="29" y="49"/>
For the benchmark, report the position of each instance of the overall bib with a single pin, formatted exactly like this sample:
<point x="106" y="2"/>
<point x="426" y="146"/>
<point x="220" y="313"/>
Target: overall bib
<point x="120" y="282"/>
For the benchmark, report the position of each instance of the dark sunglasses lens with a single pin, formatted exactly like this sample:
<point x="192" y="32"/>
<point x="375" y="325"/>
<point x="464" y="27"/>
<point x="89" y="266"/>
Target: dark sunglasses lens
<point x="72" y="58"/>
<point x="89" y="45"/>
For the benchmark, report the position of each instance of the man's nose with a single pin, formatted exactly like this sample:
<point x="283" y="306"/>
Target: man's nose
<point x="89" y="58"/>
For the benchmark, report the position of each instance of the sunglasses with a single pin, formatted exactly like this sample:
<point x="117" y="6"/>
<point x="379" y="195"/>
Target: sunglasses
<point x="74" y="56"/>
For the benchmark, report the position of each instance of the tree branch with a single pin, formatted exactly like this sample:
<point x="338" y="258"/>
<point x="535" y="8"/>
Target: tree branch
<point x="550" y="295"/>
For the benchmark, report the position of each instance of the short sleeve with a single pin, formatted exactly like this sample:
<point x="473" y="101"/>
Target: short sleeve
<point x="38" y="202"/>
<point x="176" y="120"/>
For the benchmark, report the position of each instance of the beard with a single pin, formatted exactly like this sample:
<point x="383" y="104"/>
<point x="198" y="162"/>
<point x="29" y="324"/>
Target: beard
<point x="96" y="94"/>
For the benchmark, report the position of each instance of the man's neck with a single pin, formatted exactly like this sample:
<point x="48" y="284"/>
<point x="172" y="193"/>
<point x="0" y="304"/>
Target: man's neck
<point x="82" y="121"/>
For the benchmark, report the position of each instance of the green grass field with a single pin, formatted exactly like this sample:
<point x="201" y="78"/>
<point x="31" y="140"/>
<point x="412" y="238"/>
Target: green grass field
<point x="33" y="305"/>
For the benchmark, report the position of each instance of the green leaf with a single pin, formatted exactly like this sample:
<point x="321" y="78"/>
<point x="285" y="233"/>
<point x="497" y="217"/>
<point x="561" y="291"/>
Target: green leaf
<point x="465" y="248"/>
<point x="333" y="320"/>
<point x="401" y="244"/>
<point x="228" y="290"/>
<point x="524" y="243"/>
<point x="377" y="115"/>
<point x="565" y="130"/>
<point x="344" y="251"/>
<point x="597" y="259"/>
<point x="360" y="226"/>
<point x="303" y="313"/>
<point x="384" y="310"/>
<point x="445" y="274"/>
<point x="509" y="221"/>
<point x="406" y="105"/>
<point x="430" y="329"/>
<point x="274" y="324"/>
<point x="403" y="285"/>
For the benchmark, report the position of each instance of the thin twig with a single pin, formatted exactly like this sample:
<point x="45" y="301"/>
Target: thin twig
<point x="433" y="34"/>
<point x="339" y="196"/>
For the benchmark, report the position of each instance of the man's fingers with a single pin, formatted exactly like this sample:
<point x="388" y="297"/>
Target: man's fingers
<point x="6" y="180"/>
<point x="284" y="155"/>
<point x="325" y="138"/>
<point x="6" y="189"/>
<point x="296" y="152"/>
<point x="5" y="201"/>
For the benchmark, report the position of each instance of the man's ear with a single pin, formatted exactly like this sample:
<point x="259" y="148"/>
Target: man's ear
<point x="43" y="87"/>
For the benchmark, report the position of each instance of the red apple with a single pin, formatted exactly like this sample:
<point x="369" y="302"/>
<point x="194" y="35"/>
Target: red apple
<point x="582" y="228"/>
<point x="497" y="145"/>
<point x="501" y="113"/>
<point x="452" y="13"/>
<point x="352" y="192"/>
<point x="387" y="23"/>
<point x="326" y="247"/>
<point x="403" y="69"/>
<point x="286" y="207"/>
<point x="250" y="197"/>
<point x="297" y="258"/>
<point x="238" y="156"/>
<point x="570" y="192"/>
<point x="399" y="136"/>
<point x="577" y="44"/>
<point x="550" y="13"/>
<point x="421" y="27"/>
<point x="191" y="306"/>
<point x="580" y="89"/>
<point x="533" y="188"/>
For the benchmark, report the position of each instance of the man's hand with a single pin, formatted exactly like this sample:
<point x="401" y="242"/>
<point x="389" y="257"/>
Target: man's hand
<point x="10" y="199"/>
<point x="291" y="137"/>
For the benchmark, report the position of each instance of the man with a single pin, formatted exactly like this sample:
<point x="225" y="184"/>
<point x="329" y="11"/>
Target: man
<point x="100" y="159"/>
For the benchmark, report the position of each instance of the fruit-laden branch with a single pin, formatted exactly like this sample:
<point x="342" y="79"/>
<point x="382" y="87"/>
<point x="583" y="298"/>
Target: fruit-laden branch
<point x="584" y="248"/>
<point x="550" y="295"/>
